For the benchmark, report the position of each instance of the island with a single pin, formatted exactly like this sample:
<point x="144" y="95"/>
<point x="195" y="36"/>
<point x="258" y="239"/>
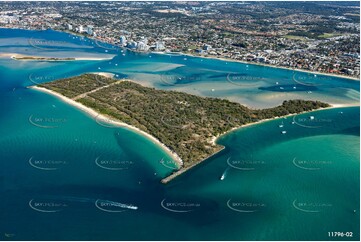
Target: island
<point x="21" y="57"/>
<point x="186" y="125"/>
<point x="37" y="58"/>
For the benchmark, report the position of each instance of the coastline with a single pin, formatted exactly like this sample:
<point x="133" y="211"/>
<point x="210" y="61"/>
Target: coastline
<point x="215" y="138"/>
<point x="333" y="106"/>
<point x="209" y="57"/>
<point x="183" y="170"/>
<point x="94" y="114"/>
<point x="104" y="74"/>
<point x="18" y="57"/>
<point x="269" y="65"/>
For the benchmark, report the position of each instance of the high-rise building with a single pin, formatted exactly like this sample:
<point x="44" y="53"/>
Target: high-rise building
<point x="123" y="41"/>
<point x="207" y="47"/>
<point x="159" y="45"/>
<point x="131" y="45"/>
<point x="144" y="40"/>
<point x="142" y="46"/>
<point x="81" y="29"/>
<point x="89" y="29"/>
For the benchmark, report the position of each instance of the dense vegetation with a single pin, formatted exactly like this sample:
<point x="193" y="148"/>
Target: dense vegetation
<point x="184" y="122"/>
<point x="72" y="87"/>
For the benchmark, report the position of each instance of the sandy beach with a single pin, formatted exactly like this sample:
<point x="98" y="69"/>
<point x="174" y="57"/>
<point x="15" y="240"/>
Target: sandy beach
<point x="223" y="59"/>
<point x="105" y="74"/>
<point x="15" y="56"/>
<point x="214" y="139"/>
<point x="95" y="115"/>
<point x="184" y="169"/>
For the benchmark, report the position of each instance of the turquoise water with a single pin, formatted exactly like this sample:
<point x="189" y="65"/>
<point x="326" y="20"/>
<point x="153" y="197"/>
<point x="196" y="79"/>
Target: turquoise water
<point x="64" y="176"/>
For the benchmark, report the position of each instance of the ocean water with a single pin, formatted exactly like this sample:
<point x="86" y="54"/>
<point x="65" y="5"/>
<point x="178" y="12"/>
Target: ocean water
<point x="67" y="176"/>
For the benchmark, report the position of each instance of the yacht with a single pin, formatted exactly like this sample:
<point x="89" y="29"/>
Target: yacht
<point x="281" y="125"/>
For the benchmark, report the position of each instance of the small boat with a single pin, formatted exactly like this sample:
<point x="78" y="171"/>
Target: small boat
<point x="281" y="125"/>
<point x="224" y="175"/>
<point x="284" y="132"/>
<point x="312" y="117"/>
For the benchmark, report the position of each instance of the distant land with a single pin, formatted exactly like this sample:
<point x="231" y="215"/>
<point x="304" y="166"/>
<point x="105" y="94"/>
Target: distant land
<point x="186" y="125"/>
<point x="42" y="58"/>
<point x="319" y="36"/>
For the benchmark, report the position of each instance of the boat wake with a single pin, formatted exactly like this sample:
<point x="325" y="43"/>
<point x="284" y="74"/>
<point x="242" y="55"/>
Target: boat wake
<point x="224" y="175"/>
<point x="98" y="202"/>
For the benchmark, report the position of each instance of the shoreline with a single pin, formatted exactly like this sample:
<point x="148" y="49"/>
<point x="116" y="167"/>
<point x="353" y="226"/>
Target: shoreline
<point x="94" y="115"/>
<point x="215" y="138"/>
<point x="21" y="57"/>
<point x="267" y="65"/>
<point x="180" y="169"/>
<point x="333" y="106"/>
<point x="198" y="56"/>
<point x="179" y="172"/>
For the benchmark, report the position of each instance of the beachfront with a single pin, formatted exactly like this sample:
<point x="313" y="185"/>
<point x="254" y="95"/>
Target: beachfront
<point x="95" y="115"/>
